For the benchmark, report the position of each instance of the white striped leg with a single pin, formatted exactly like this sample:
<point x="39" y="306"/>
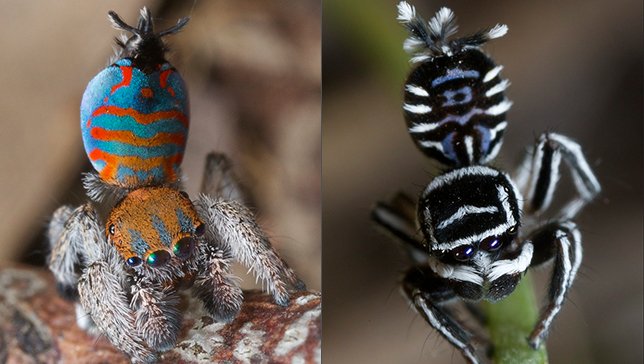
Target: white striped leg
<point x="539" y="174"/>
<point x="561" y="240"/>
<point x="428" y="293"/>
<point x="398" y="217"/>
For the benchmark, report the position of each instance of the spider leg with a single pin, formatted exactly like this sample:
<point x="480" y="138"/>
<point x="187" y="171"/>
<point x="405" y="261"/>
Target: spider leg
<point x="219" y="179"/>
<point x="157" y="316"/>
<point x="65" y="244"/>
<point x="539" y="172"/>
<point x="562" y="241"/>
<point x="101" y="293"/>
<point x="215" y="285"/>
<point x="398" y="217"/>
<point x="232" y="226"/>
<point x="428" y="292"/>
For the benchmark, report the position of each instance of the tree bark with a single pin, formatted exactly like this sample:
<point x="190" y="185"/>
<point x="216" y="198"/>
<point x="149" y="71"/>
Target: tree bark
<point x="38" y="326"/>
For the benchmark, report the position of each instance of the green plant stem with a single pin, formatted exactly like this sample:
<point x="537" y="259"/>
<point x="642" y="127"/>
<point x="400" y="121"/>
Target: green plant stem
<point x="510" y="321"/>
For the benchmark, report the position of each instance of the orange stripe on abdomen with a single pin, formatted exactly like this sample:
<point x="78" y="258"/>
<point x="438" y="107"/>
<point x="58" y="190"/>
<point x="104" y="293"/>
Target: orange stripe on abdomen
<point x="141" y="118"/>
<point x="112" y="163"/>
<point x="127" y="78"/>
<point x="126" y="136"/>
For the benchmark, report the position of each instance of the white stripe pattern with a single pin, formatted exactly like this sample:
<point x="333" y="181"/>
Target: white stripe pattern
<point x="417" y="109"/>
<point x="499" y="108"/>
<point x="469" y="147"/>
<point x="492" y="73"/>
<point x="549" y="315"/>
<point x="431" y="144"/>
<point x="498" y="230"/>
<point x="419" y="302"/>
<point x="585" y="179"/>
<point x="464" y="210"/>
<point x="424" y="127"/>
<point x="499" y="87"/>
<point x="416" y="90"/>
<point x="457" y="174"/>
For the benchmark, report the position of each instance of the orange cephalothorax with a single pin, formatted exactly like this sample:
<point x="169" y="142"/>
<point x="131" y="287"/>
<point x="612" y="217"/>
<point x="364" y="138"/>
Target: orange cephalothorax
<point x="151" y="224"/>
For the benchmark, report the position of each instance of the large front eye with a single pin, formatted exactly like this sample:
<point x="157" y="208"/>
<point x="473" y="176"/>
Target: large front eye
<point x="491" y="243"/>
<point x="183" y="248"/>
<point x="463" y="253"/>
<point x="158" y="258"/>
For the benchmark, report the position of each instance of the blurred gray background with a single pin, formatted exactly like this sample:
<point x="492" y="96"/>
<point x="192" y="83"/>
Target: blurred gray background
<point x="253" y="74"/>
<point x="575" y="68"/>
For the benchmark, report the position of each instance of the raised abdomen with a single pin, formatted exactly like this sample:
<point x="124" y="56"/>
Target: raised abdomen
<point x="135" y="125"/>
<point x="455" y="108"/>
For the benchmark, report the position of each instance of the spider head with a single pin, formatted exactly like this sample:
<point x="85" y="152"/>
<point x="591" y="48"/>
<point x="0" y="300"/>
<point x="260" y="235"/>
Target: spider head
<point x="155" y="226"/>
<point x="468" y="213"/>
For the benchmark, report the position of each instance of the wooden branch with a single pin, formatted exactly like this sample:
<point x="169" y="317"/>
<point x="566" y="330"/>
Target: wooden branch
<point x="37" y="325"/>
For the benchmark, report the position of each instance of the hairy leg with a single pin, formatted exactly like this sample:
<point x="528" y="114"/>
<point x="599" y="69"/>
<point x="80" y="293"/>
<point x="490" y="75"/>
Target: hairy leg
<point x="157" y="316"/>
<point x="232" y="226"/>
<point x="103" y="297"/>
<point x="68" y="231"/>
<point x="219" y="179"/>
<point x="215" y="286"/>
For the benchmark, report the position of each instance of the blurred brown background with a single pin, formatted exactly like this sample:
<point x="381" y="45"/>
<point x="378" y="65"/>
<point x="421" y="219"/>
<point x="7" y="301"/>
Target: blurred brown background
<point x="253" y="74"/>
<point x="575" y="68"/>
<point x="253" y="70"/>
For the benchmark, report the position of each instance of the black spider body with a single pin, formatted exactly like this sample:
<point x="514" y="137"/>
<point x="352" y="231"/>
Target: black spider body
<point x="475" y="230"/>
<point x="470" y="216"/>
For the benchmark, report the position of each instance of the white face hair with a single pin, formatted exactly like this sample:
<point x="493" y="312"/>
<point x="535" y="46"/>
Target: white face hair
<point x="483" y="269"/>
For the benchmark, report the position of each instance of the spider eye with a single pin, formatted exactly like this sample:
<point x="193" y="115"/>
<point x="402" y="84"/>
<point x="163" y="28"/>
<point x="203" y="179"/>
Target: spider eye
<point x="134" y="261"/>
<point x="184" y="194"/>
<point x="491" y="243"/>
<point x="513" y="230"/>
<point x="463" y="253"/>
<point x="183" y="248"/>
<point x="111" y="229"/>
<point x="200" y="230"/>
<point x="158" y="258"/>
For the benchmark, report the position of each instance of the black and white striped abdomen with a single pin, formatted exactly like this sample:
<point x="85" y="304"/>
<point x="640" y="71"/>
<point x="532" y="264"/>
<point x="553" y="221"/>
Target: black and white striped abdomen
<point x="455" y="107"/>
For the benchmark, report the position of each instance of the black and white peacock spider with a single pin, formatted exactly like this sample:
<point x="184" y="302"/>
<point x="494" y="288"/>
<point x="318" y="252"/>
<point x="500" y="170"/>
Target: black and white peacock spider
<point x="475" y="230"/>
